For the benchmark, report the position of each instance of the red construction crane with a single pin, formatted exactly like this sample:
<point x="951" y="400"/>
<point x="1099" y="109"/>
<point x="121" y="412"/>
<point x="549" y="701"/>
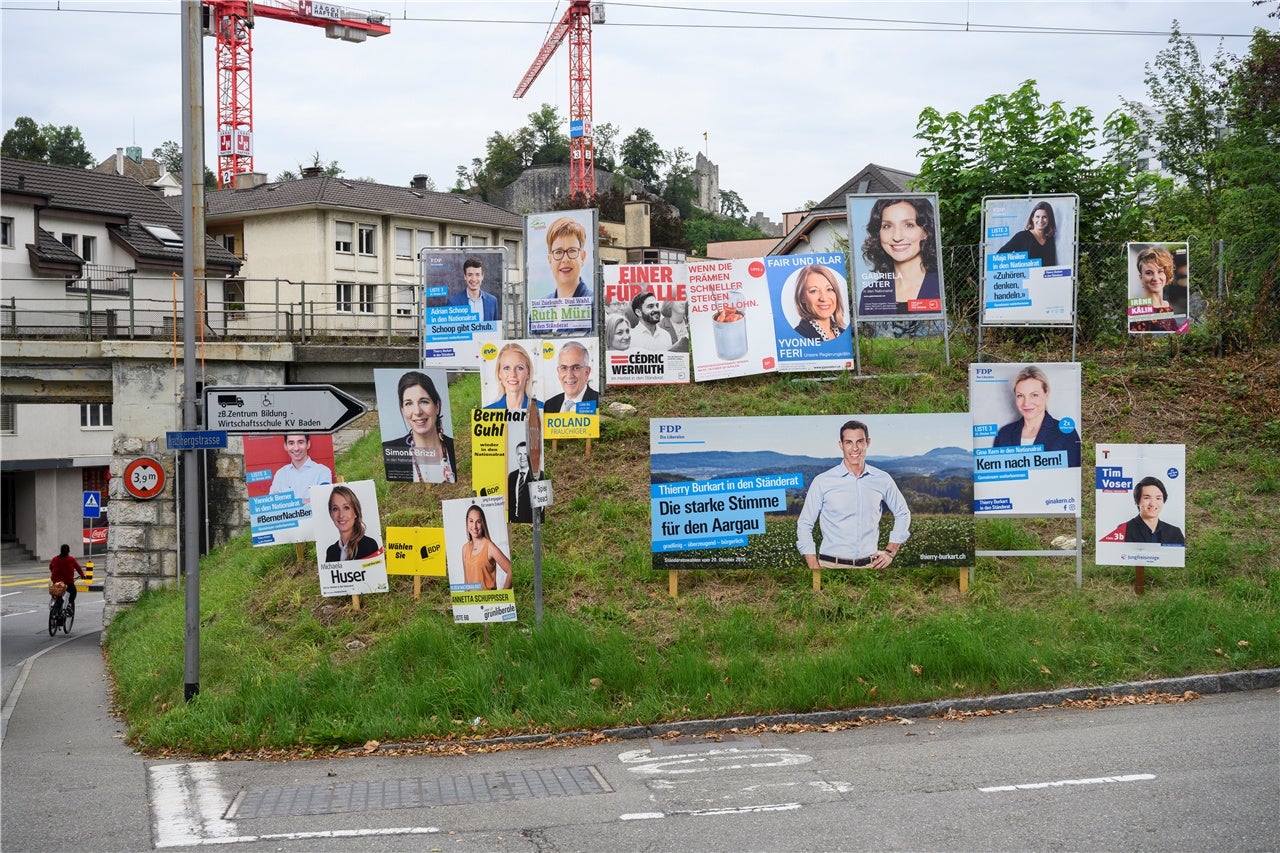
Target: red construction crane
<point x="231" y="22"/>
<point x="576" y="23"/>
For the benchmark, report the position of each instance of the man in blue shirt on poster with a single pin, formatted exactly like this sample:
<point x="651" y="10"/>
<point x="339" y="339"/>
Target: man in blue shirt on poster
<point x="484" y="305"/>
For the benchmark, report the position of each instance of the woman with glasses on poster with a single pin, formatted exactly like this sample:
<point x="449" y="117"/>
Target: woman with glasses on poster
<point x="901" y="247"/>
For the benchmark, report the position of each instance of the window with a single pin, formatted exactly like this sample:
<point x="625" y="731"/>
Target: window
<point x="95" y="415"/>
<point x="342" y="237"/>
<point x="404" y="242"/>
<point x="8" y="418"/>
<point x="72" y="242"/>
<point x="513" y="254"/>
<point x="366" y="240"/>
<point x="228" y="242"/>
<point x="459" y="239"/>
<point x="88" y="248"/>
<point x="166" y="235"/>
<point x="6" y="232"/>
<point x="356" y="297"/>
<point x="426" y="239"/>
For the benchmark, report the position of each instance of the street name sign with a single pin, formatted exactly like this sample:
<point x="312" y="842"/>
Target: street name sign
<point x="254" y="409"/>
<point x="203" y="439"/>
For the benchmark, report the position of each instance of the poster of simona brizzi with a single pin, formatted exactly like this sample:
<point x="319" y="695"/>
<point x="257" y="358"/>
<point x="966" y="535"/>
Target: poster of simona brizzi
<point x="769" y="492"/>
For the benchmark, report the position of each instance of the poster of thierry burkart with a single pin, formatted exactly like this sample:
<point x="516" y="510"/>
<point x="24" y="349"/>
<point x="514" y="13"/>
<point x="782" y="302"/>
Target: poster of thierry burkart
<point x="1029" y="254"/>
<point x="731" y="319"/>
<point x="462" y="304"/>
<point x="811" y="320"/>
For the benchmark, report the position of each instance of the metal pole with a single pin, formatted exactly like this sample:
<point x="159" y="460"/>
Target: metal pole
<point x="193" y="267"/>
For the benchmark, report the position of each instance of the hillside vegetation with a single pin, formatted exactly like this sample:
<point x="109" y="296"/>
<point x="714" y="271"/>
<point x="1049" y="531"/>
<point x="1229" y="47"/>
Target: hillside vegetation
<point x="283" y="668"/>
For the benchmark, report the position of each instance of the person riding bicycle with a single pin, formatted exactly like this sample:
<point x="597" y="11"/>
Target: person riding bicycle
<point x="64" y="568"/>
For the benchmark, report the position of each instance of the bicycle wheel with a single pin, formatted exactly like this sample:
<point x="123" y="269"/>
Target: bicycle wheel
<point x="54" y="612"/>
<point x="68" y="616"/>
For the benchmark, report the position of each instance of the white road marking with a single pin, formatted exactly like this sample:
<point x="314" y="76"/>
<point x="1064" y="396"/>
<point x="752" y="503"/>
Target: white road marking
<point x="778" y="807"/>
<point x="22" y="612"/>
<point x="1100" y="780"/>
<point x="709" y="761"/>
<point x="642" y="816"/>
<point x="303" y="836"/>
<point x="833" y="787"/>
<point x="7" y="594"/>
<point x="187" y="805"/>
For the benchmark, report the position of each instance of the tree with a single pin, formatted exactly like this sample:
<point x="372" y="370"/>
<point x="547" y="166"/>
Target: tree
<point x="330" y="169"/>
<point x="642" y="157"/>
<point x="550" y="143"/>
<point x="66" y="147"/>
<point x="25" y="142"/>
<point x="604" y="145"/>
<point x="732" y="206"/>
<point x="703" y="228"/>
<point x="1015" y="144"/>
<point x="169" y="155"/>
<point x="678" y="186"/>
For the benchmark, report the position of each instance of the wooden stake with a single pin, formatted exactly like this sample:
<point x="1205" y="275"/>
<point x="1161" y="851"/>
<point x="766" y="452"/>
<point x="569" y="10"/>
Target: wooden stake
<point x="417" y="587"/>
<point x="1140" y="580"/>
<point x="673" y="583"/>
<point x="964" y="581"/>
<point x="817" y="580"/>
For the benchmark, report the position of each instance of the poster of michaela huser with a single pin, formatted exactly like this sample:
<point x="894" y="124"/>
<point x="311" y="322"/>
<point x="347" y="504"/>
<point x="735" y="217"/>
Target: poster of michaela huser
<point x="462" y="304"/>
<point x="1158" y="288"/>
<point x="348" y="536"/>
<point x="560" y="267"/>
<point x="646" y="324"/>
<point x="896" y="254"/>
<point x="731" y="319"/>
<point x="1141" y="504"/>
<point x="1028" y="259"/>
<point x="1026" y="438"/>
<point x="810" y="300"/>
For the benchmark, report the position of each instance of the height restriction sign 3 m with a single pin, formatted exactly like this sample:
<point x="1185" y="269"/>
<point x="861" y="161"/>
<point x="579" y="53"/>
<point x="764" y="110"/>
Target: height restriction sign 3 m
<point x="144" y="478"/>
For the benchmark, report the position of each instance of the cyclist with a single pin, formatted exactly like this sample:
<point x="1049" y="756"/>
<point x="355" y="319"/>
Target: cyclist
<point x="64" y="568"/>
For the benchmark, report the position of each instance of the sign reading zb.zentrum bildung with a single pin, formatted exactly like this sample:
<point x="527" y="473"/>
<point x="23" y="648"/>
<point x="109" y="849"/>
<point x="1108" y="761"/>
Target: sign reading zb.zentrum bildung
<point x="1029" y="258"/>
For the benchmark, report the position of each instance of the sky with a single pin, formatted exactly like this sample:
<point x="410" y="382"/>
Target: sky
<point x="793" y="98"/>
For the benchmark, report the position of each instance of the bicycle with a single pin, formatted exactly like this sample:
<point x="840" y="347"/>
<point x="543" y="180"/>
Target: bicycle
<point x="60" y="615"/>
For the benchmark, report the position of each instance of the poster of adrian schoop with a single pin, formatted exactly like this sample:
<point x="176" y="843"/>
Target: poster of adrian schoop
<point x="1141" y="504"/>
<point x="730" y="493"/>
<point x="1026" y="438"/>
<point x="462" y="299"/>
<point x="1028" y="254"/>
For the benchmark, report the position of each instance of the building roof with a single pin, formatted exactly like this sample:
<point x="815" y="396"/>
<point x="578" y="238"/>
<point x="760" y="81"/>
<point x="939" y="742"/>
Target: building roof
<point x="342" y="193"/>
<point x="126" y="205"/>
<point x="52" y="250"/>
<point x="872" y="179"/>
<point x="148" y="171"/>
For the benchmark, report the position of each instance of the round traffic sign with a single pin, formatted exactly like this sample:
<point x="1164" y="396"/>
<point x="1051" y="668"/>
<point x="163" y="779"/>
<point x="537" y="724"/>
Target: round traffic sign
<point x="144" y="478"/>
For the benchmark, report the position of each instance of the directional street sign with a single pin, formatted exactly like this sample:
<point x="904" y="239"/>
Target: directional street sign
<point x="93" y="504"/>
<point x="253" y="409"/>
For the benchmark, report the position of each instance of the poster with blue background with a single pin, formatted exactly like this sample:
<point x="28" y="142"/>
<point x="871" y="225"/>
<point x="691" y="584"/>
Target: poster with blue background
<point x="811" y="319"/>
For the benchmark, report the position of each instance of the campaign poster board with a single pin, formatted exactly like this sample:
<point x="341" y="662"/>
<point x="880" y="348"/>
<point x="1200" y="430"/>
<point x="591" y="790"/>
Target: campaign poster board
<point x="489" y="449"/>
<point x="1141" y="505"/>
<point x="568" y="369"/>
<point x="455" y="326"/>
<point x="1042" y="475"/>
<point x="639" y="349"/>
<point x="1159" y="286"/>
<point x="1029" y="250"/>
<point x="810" y="299"/>
<point x="560" y="266"/>
<point x="416" y="551"/>
<point x="349" y="508"/>
<point x="416" y="421"/>
<point x="479" y="585"/>
<point x="510" y="375"/>
<point x="727" y="493"/>
<point x="896" y="257"/>
<point x="731" y="319"/>
<point x="279" y="490"/>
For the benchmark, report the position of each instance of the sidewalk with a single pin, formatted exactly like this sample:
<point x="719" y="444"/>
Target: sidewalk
<point x="69" y="781"/>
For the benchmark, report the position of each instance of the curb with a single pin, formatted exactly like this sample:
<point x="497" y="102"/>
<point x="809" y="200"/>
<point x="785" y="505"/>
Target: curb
<point x="1206" y="685"/>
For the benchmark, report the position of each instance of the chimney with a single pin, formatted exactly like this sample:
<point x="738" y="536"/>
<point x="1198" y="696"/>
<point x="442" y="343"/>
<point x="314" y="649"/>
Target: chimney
<point x="119" y="161"/>
<point x="312" y="171"/>
<point x="636" y="219"/>
<point x="419" y="182"/>
<point x="249" y="180"/>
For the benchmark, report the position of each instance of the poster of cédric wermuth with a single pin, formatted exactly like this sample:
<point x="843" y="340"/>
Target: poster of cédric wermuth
<point x="729" y="492"/>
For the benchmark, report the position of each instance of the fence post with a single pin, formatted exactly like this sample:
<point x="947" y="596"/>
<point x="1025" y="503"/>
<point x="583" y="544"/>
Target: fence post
<point x="1222" y="278"/>
<point x="88" y="302"/>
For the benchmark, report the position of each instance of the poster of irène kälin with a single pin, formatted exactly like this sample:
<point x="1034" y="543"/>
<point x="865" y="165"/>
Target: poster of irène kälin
<point x="1026" y="438"/>
<point x="1141" y="504"/>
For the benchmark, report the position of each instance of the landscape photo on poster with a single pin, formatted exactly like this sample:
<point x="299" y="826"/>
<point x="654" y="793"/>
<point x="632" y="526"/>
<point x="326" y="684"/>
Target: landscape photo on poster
<point x="727" y="492"/>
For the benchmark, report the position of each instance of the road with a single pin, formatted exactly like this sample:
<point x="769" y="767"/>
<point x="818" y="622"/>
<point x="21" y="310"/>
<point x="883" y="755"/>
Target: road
<point x="1194" y="775"/>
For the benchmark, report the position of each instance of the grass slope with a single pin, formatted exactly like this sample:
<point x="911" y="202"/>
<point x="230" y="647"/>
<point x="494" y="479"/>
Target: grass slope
<point x="282" y="667"/>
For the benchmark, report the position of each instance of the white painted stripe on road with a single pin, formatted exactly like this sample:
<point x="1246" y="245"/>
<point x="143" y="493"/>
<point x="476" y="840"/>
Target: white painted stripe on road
<point x="7" y="594"/>
<point x="304" y="836"/>
<point x="22" y="612"/>
<point x="642" y="816"/>
<point x="187" y="805"/>
<point x="1100" y="780"/>
<point x="779" y="807"/>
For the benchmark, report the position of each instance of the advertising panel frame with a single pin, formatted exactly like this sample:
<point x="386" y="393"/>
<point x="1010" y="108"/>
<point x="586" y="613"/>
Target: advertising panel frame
<point x="452" y="336"/>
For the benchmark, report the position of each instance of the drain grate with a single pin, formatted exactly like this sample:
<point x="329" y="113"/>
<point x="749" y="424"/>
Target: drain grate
<point x="417" y="793"/>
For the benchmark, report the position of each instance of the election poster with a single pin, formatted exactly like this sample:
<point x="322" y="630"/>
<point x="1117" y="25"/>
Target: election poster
<point x="896" y="257"/>
<point x="462" y="304"/>
<point x="1141" y="504"/>
<point x="723" y="495"/>
<point x="416" y="551"/>
<point x="349" y="536"/>
<point x="1026" y="438"/>
<point x="810" y="301"/>
<point x="417" y="425"/>
<point x="478" y="556"/>
<point x="1158" y="288"/>
<point x="646" y="324"/>
<point x="1029" y="255"/>
<point x="568" y="371"/>
<point x="731" y="319"/>
<point x="560" y="264"/>
<point x="279" y="471"/>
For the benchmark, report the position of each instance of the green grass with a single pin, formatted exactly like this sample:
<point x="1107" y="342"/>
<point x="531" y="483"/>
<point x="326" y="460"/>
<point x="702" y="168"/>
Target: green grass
<point x="282" y="667"/>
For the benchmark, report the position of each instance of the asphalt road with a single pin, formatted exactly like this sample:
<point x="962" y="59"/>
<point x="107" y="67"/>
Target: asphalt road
<point x="1195" y="775"/>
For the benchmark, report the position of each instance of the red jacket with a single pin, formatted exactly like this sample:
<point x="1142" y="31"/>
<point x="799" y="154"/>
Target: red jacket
<point x="64" y="569"/>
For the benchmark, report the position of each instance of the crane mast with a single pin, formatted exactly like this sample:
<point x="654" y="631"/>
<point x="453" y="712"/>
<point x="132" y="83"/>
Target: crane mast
<point x="576" y="25"/>
<point x="231" y="22"/>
